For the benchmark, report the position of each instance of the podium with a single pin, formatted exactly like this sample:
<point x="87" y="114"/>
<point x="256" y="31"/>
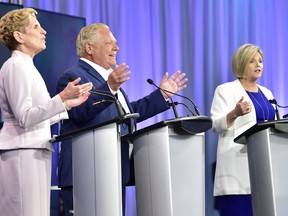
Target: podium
<point x="170" y="167"/>
<point x="267" y="149"/>
<point x="96" y="153"/>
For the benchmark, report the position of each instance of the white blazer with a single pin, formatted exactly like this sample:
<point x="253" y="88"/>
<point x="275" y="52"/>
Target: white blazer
<point x="232" y="173"/>
<point x="26" y="105"/>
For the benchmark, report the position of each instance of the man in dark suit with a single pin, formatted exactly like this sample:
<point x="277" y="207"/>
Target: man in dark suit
<point x="97" y="49"/>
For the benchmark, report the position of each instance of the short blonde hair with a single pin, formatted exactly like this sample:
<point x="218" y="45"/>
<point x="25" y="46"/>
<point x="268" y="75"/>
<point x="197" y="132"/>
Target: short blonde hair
<point x="242" y="57"/>
<point x="15" y="20"/>
<point x="88" y="34"/>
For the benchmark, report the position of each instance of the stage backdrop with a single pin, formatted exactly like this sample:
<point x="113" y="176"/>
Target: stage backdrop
<point x="4" y="52"/>
<point x="197" y="36"/>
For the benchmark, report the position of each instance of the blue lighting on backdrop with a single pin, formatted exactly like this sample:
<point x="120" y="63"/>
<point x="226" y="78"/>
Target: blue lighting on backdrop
<point x="198" y="37"/>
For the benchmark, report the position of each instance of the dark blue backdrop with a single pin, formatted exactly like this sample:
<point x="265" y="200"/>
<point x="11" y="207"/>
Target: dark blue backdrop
<point x="60" y="54"/>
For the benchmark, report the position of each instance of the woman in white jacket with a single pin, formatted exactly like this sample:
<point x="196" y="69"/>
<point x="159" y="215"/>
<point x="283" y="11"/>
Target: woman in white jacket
<point x="28" y="110"/>
<point x="237" y="106"/>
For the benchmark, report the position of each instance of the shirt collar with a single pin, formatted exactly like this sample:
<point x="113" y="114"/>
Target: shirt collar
<point x="102" y="71"/>
<point x="23" y="55"/>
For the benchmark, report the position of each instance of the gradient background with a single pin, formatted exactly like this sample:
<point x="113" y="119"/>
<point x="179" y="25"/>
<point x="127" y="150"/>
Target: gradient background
<point x="199" y="37"/>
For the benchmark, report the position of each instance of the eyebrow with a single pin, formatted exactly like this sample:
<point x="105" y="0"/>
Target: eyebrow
<point x="36" y="25"/>
<point x="260" y="58"/>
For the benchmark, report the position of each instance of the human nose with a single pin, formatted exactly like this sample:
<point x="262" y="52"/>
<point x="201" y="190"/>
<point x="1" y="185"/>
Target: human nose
<point x="258" y="63"/>
<point x="42" y="30"/>
<point x="116" y="48"/>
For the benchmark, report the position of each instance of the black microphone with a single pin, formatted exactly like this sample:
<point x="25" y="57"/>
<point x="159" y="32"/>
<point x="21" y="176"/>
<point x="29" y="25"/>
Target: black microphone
<point x="273" y="101"/>
<point x="186" y="107"/>
<point x="118" y="105"/>
<point x="102" y="101"/>
<point x="172" y="104"/>
<point x="121" y="112"/>
<point x="150" y="81"/>
<point x="176" y="103"/>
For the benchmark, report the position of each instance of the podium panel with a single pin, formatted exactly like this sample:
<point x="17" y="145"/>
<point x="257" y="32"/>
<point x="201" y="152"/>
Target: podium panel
<point x="97" y="172"/>
<point x="267" y="149"/>
<point x="169" y="173"/>
<point x="268" y="160"/>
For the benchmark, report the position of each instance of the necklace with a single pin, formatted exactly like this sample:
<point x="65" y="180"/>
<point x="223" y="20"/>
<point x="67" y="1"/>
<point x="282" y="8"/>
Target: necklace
<point x="259" y="104"/>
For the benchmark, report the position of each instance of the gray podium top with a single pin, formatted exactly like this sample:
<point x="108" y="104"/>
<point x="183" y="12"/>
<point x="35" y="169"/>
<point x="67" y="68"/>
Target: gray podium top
<point x="280" y="125"/>
<point x="184" y="126"/>
<point x="119" y="120"/>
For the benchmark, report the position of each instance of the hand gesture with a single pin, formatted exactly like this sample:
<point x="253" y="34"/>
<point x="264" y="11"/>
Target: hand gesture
<point x="78" y="101"/>
<point x="118" y="76"/>
<point x="174" y="84"/>
<point x="74" y="91"/>
<point x="242" y="108"/>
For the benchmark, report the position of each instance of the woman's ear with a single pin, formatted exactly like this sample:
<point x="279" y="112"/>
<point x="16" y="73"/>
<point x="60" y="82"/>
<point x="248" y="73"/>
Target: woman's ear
<point x="18" y="37"/>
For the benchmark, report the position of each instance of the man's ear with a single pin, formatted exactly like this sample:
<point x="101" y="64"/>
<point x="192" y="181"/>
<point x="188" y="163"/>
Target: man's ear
<point x="88" y="48"/>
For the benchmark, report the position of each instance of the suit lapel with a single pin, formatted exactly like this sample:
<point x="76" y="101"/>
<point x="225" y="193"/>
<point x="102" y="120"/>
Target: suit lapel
<point x="91" y="71"/>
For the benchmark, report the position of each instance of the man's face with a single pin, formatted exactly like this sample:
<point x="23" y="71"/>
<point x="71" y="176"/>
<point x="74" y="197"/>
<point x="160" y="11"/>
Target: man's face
<point x="104" y="49"/>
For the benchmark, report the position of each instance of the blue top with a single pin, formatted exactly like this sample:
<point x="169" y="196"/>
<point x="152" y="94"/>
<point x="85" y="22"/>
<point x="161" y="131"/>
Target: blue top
<point x="264" y="109"/>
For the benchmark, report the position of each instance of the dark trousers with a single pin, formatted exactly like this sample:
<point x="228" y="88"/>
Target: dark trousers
<point x="67" y="198"/>
<point x="236" y="205"/>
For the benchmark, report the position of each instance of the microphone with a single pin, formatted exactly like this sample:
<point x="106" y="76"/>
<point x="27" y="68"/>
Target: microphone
<point x="150" y="81"/>
<point x="102" y="101"/>
<point x="273" y="101"/>
<point x="121" y="112"/>
<point x="118" y="105"/>
<point x="172" y="104"/>
<point x="176" y="103"/>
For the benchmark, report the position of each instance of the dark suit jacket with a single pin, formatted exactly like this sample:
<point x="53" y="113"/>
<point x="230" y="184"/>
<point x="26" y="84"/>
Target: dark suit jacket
<point x="89" y="114"/>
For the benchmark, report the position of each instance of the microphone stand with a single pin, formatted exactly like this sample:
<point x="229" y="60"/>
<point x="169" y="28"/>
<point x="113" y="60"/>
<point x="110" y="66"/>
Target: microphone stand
<point x="119" y="108"/>
<point x="172" y="104"/>
<point x="121" y="113"/>
<point x="175" y="110"/>
<point x="277" y="112"/>
<point x="273" y="101"/>
<point x="150" y="81"/>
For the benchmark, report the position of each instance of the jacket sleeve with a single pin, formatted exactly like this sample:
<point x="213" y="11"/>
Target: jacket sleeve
<point x="150" y="105"/>
<point x="219" y="110"/>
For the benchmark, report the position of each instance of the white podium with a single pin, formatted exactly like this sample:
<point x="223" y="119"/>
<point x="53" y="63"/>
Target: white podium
<point x="267" y="148"/>
<point x="169" y="159"/>
<point x="97" y="183"/>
